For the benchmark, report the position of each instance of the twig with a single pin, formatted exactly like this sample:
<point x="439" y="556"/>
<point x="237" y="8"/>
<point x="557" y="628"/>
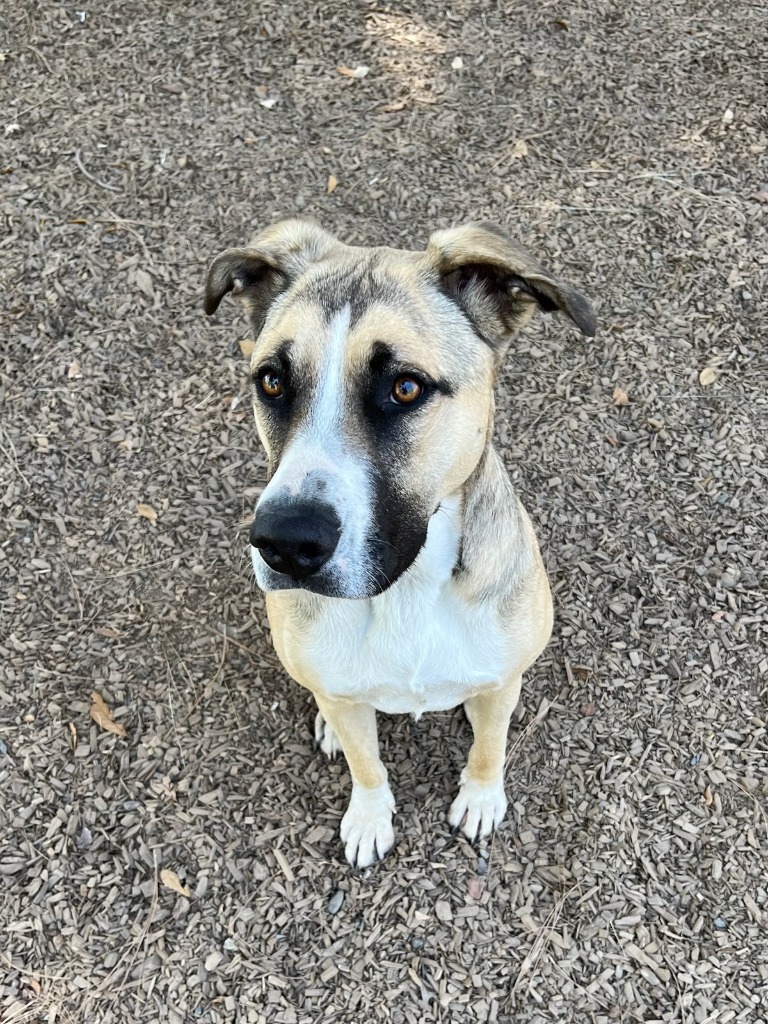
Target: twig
<point x="542" y="937"/>
<point x="528" y="730"/>
<point x="14" y="460"/>
<point x="90" y="177"/>
<point x="124" y="225"/>
<point x="135" y="945"/>
<point x="74" y="587"/>
<point x="209" y="687"/>
<point x="235" y="643"/>
<point x="667" y="178"/>
<point x="37" y="53"/>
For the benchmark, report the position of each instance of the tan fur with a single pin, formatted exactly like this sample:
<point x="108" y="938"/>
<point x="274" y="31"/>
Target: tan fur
<point x="433" y="309"/>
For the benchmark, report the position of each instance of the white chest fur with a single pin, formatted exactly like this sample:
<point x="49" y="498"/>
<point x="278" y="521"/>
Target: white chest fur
<point x="417" y="647"/>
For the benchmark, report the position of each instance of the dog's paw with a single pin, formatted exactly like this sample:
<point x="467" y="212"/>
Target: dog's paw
<point x="326" y="738"/>
<point x="478" y="808"/>
<point x="366" y="828"/>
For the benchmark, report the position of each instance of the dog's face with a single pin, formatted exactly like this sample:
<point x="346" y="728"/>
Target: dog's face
<point x="373" y="389"/>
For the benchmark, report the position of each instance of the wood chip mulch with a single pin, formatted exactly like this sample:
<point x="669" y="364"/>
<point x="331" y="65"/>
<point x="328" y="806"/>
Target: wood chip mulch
<point x="172" y="856"/>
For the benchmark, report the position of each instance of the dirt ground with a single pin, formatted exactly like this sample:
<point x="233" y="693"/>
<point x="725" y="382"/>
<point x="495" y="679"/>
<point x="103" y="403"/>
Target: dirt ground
<point x="190" y="870"/>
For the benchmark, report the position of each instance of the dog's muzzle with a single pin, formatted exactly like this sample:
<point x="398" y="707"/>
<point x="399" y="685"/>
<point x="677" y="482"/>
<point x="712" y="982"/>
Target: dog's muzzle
<point x="296" y="539"/>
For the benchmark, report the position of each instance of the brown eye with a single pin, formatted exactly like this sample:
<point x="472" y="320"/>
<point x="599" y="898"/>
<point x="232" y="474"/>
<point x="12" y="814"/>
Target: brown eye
<point x="406" y="390"/>
<point x="271" y="384"/>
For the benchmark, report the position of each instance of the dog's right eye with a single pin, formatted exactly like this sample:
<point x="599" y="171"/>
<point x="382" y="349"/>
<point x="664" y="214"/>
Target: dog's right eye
<point x="271" y="383"/>
<point x="406" y="390"/>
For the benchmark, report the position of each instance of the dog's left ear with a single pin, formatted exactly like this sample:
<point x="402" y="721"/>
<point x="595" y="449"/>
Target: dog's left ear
<point x="498" y="285"/>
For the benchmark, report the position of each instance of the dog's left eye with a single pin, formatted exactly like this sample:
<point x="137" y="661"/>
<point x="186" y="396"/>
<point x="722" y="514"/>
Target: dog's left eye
<point x="406" y="390"/>
<point x="271" y="383"/>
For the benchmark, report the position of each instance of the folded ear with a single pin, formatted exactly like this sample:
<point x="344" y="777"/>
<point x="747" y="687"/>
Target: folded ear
<point x="498" y="285"/>
<point x="257" y="274"/>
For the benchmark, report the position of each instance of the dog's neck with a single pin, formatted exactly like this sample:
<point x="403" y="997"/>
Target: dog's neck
<point x="494" y="543"/>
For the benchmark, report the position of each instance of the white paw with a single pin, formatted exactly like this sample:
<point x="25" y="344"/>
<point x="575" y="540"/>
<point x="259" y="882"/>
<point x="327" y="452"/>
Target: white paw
<point x="366" y="828"/>
<point x="326" y="738"/>
<point x="478" y="808"/>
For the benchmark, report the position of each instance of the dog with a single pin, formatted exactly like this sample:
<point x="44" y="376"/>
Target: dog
<point x="401" y="572"/>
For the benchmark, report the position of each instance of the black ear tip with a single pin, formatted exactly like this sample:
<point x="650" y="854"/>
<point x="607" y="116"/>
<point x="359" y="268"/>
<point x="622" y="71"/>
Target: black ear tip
<point x="588" y="325"/>
<point x="582" y="314"/>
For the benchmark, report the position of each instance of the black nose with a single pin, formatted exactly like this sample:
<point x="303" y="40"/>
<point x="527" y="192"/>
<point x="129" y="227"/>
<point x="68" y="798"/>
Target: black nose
<point x="296" y="539"/>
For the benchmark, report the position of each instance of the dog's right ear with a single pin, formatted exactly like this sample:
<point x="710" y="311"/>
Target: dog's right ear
<point x="244" y="273"/>
<point x="256" y="275"/>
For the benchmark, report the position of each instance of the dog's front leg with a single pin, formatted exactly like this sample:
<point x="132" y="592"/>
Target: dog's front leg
<point x="482" y="802"/>
<point x="366" y="828"/>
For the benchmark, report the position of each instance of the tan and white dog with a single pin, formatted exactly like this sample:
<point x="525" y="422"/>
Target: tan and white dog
<point x="401" y="572"/>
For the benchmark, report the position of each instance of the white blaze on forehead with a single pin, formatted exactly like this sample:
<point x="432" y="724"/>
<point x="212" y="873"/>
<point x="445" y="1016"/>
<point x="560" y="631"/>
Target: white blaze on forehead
<point x="319" y="446"/>
<point x="325" y="414"/>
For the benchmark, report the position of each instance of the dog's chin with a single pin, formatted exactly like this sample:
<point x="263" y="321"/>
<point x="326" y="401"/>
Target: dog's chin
<point x="329" y="583"/>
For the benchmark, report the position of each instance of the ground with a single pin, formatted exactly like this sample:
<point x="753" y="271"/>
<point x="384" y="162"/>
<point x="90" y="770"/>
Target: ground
<point x="191" y="868"/>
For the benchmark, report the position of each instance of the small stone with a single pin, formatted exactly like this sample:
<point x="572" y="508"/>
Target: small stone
<point x="213" y="960"/>
<point x="335" y="902"/>
<point x="720" y="924"/>
<point x="443" y="911"/>
<point x="85" y="838"/>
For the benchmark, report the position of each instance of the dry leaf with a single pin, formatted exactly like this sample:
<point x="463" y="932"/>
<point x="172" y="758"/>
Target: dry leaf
<point x="35" y="985"/>
<point x="112" y="634"/>
<point x="171" y="881"/>
<point x="332" y="183"/>
<point x="457" y="63"/>
<point x="519" y="150"/>
<point x="561" y="23"/>
<point x="147" y="512"/>
<point x="247" y="346"/>
<point x="475" y="886"/>
<point x="359" y="72"/>
<point x="620" y="396"/>
<point x="73" y="735"/>
<point x="761" y="196"/>
<point x="708" y="798"/>
<point x="708" y="376"/>
<point x="164" y="788"/>
<point x="143" y="282"/>
<point x="391" y="108"/>
<point x="589" y="709"/>
<point x="73" y="371"/>
<point x="102" y="716"/>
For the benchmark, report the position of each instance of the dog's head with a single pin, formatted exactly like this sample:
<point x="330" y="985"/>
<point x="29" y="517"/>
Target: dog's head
<point x="373" y="388"/>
